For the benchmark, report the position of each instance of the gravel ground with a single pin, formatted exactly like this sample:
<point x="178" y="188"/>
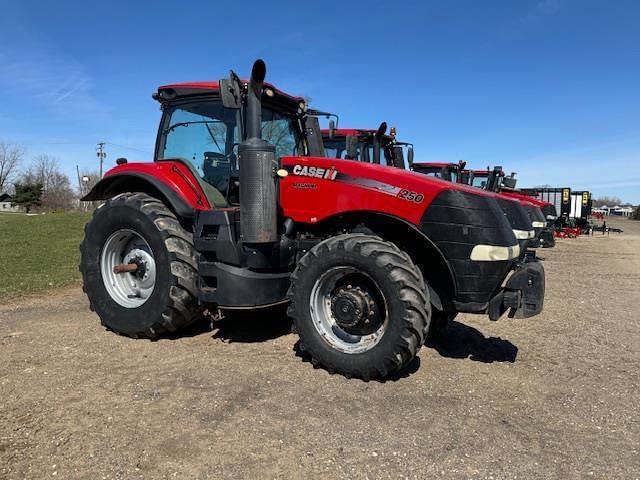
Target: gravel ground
<point x="555" y="396"/>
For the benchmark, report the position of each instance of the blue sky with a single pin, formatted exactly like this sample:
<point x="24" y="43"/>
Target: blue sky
<point x="547" y="88"/>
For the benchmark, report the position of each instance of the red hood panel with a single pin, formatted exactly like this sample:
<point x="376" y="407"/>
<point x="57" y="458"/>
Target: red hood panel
<point x="524" y="198"/>
<point x="317" y="188"/>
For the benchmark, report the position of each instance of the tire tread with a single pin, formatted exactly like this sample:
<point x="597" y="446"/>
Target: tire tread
<point x="182" y="308"/>
<point x="411" y="289"/>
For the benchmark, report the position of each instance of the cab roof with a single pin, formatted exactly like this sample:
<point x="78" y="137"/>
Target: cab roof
<point x="344" y="132"/>
<point x="204" y="87"/>
<point x="434" y="164"/>
<point x="348" y="131"/>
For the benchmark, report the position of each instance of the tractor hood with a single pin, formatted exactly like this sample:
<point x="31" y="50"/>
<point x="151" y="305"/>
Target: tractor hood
<point x="521" y="197"/>
<point x="346" y="186"/>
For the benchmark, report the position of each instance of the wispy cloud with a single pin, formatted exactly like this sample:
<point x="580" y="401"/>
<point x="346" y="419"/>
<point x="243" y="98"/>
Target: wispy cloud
<point x="53" y="81"/>
<point x="544" y="8"/>
<point x="35" y="70"/>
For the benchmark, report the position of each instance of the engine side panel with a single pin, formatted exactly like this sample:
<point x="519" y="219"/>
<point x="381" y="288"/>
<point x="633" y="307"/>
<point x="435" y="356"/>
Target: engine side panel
<point x="317" y="188"/>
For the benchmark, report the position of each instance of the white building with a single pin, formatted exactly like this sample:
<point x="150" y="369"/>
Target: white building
<point x="622" y="210"/>
<point x="5" y="204"/>
<point x="604" y="210"/>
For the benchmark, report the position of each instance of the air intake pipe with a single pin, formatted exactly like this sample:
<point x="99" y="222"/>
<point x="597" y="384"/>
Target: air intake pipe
<point x="257" y="161"/>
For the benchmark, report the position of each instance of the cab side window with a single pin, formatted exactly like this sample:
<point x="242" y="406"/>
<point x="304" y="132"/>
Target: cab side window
<point x="279" y="131"/>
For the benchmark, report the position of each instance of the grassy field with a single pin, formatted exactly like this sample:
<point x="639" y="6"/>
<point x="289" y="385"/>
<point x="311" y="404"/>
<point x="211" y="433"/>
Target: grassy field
<point x="39" y="252"/>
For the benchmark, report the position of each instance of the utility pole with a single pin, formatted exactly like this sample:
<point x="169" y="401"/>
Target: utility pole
<point x="101" y="154"/>
<point x="79" y="182"/>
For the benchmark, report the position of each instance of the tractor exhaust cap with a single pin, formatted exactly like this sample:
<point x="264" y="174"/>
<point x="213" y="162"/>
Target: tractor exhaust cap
<point x="257" y="161"/>
<point x="254" y="95"/>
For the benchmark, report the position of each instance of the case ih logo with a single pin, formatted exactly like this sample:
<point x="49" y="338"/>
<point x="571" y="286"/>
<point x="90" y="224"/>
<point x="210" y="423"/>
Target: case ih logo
<point x="315" y="172"/>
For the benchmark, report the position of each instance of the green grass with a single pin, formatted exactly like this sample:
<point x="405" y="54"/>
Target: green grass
<point x="39" y="252"/>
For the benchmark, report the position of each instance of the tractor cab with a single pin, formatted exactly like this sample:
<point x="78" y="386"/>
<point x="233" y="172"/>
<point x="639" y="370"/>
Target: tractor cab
<point x="489" y="179"/>
<point x="365" y="145"/>
<point x="202" y="130"/>
<point x="450" y="172"/>
<point x="495" y="180"/>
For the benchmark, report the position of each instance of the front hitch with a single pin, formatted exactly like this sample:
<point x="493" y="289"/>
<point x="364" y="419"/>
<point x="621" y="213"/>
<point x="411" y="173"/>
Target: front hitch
<point x="522" y="295"/>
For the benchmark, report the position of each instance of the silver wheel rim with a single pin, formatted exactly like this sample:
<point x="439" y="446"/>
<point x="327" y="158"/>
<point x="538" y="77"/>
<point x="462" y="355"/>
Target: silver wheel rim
<point x="129" y="290"/>
<point x="325" y="322"/>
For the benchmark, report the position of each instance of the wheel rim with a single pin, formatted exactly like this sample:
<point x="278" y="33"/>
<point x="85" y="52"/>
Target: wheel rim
<point x="348" y="310"/>
<point x="130" y="290"/>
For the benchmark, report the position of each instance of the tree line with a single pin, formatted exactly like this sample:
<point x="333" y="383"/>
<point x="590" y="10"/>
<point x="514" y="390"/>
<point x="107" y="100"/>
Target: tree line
<point x="40" y="185"/>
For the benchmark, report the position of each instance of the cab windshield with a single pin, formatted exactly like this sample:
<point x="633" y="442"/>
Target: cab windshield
<point x="480" y="182"/>
<point x="206" y="135"/>
<point x="445" y="173"/>
<point x="337" y="148"/>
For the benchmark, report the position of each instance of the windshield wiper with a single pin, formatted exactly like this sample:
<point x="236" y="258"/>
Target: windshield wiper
<point x="186" y="124"/>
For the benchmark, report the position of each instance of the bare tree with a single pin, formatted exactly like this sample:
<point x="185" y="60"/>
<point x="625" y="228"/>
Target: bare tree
<point x="10" y="158"/>
<point x="608" y="201"/>
<point x="42" y="170"/>
<point x="87" y="179"/>
<point x="57" y="193"/>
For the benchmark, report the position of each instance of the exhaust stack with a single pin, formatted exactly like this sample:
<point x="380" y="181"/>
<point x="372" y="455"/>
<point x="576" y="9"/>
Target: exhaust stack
<point x="377" y="141"/>
<point x="257" y="160"/>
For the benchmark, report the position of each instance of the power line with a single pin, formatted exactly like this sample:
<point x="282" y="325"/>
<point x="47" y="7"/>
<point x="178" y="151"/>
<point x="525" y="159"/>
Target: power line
<point x="31" y="144"/>
<point x="126" y="147"/>
<point x="129" y="148"/>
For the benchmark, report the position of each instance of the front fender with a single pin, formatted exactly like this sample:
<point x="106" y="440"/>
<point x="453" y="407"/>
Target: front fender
<point x="169" y="181"/>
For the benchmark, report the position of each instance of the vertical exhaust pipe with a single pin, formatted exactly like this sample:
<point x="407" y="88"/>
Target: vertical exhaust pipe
<point x="257" y="160"/>
<point x="377" y="142"/>
<point x="254" y="103"/>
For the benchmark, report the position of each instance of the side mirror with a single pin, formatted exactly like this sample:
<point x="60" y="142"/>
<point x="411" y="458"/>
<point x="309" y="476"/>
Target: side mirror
<point x="398" y="157"/>
<point x="231" y="91"/>
<point x="410" y="156"/>
<point x="314" y="137"/>
<point x="352" y="147"/>
<point x="332" y="129"/>
<point x="509" y="182"/>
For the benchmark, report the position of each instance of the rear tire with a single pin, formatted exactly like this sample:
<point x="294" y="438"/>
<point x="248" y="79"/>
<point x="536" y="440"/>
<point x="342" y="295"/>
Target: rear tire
<point x="359" y="270"/>
<point x="137" y="222"/>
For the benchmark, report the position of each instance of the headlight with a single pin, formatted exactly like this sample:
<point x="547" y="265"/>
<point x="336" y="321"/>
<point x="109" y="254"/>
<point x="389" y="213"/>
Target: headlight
<point x="524" y="234"/>
<point x="494" y="253"/>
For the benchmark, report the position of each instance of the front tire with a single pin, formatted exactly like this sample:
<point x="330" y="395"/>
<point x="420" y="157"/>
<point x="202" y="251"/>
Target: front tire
<point x="161" y="296"/>
<point x="360" y="306"/>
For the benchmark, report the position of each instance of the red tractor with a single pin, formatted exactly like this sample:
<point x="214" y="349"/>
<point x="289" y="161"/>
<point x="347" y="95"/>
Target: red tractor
<point x="240" y="210"/>
<point x="364" y="145"/>
<point x="495" y="181"/>
<point x="377" y="147"/>
<point x="543" y="214"/>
